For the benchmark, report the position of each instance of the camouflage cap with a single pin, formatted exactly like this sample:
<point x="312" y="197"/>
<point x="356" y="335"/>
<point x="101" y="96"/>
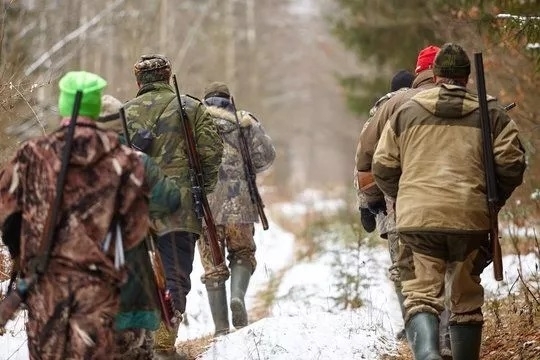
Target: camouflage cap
<point x="109" y="117"/>
<point x="218" y="89"/>
<point x="152" y="67"/>
<point x="109" y="105"/>
<point x="452" y="62"/>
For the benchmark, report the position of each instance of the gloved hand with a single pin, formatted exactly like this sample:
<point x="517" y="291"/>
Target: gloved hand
<point x="367" y="219"/>
<point x="377" y="207"/>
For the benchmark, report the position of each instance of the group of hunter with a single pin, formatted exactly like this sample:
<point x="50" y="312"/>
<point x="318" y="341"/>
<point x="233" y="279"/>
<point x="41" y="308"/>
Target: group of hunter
<point x="102" y="216"/>
<point x="429" y="161"/>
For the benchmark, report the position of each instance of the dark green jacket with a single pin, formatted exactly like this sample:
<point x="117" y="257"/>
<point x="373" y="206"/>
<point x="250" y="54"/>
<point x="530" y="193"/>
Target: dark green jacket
<point x="138" y="302"/>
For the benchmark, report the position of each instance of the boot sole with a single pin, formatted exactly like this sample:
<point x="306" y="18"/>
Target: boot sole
<point x="239" y="314"/>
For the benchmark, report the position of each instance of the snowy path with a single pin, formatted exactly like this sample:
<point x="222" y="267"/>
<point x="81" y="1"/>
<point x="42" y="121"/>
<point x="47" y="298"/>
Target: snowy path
<point x="305" y="322"/>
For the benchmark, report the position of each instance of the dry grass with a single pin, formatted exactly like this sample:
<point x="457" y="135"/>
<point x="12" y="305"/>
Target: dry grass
<point x="195" y="347"/>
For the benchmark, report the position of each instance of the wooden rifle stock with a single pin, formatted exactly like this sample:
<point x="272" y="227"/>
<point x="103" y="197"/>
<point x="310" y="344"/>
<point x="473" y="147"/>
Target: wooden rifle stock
<point x="165" y="301"/>
<point x="489" y="165"/>
<point x="200" y="201"/>
<point x="251" y="176"/>
<point x="164" y="296"/>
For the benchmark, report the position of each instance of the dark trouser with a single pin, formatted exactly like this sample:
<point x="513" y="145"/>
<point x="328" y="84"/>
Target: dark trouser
<point x="177" y="250"/>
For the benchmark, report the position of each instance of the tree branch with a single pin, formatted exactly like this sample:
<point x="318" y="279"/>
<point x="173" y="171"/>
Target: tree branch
<point x="69" y="37"/>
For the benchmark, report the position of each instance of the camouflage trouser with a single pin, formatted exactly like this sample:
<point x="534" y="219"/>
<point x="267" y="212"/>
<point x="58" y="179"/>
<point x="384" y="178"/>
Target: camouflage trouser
<point x="393" y="248"/>
<point x="238" y="238"/>
<point x="134" y="344"/>
<point x="436" y="256"/>
<point x="71" y="316"/>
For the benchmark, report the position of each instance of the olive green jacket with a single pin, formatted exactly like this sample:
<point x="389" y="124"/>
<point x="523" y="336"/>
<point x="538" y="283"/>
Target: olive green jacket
<point x="155" y="109"/>
<point x="429" y="158"/>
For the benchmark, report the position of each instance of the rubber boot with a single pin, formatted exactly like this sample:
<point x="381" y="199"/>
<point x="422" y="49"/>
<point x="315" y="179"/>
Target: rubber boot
<point x="217" y="298"/>
<point x="164" y="341"/>
<point x="466" y="340"/>
<point x="423" y="335"/>
<point x="444" y="335"/>
<point x="240" y="275"/>
<point x="401" y="299"/>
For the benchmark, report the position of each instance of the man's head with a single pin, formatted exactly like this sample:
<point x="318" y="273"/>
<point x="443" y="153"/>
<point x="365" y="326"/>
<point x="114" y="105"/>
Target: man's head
<point x="217" y="89"/>
<point x="425" y="58"/>
<point x="152" y="68"/>
<point x="91" y="86"/>
<point x="402" y="79"/>
<point x="452" y="62"/>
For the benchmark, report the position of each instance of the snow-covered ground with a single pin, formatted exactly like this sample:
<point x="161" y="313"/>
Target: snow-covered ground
<point x="305" y="320"/>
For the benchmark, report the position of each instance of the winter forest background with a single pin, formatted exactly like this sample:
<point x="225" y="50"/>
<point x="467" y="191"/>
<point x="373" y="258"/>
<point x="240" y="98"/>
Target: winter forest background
<point x="309" y="70"/>
<point x="300" y="65"/>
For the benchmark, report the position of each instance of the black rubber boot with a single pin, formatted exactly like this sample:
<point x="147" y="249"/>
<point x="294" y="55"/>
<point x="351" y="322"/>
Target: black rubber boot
<point x="466" y="340"/>
<point x="423" y="336"/>
<point x="217" y="298"/>
<point x="444" y="335"/>
<point x="240" y="275"/>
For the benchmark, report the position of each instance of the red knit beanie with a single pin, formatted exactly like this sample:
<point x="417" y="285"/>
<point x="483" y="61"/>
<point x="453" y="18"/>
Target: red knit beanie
<point x="425" y="58"/>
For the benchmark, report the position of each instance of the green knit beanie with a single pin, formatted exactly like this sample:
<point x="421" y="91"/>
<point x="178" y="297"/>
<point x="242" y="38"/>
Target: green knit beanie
<point x="90" y="84"/>
<point x="452" y="62"/>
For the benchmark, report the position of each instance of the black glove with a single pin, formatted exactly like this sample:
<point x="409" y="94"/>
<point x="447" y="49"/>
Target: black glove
<point x="368" y="220"/>
<point x="377" y="207"/>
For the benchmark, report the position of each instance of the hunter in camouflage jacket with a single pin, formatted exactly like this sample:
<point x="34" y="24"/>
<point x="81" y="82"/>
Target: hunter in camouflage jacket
<point x="72" y="307"/>
<point x="155" y="111"/>
<point x="230" y="202"/>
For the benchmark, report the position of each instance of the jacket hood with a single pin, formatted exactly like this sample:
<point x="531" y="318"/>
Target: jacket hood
<point x="423" y="77"/>
<point x="225" y="119"/>
<point x="448" y="101"/>
<point x="90" y="145"/>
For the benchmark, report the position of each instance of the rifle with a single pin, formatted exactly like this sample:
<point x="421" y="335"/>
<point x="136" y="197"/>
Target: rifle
<point x="249" y="170"/>
<point x="489" y="165"/>
<point x="39" y="264"/>
<point x="200" y="201"/>
<point x="166" y="308"/>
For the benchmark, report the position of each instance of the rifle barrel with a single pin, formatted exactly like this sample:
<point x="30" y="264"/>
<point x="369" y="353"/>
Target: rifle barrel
<point x="200" y="201"/>
<point x="489" y="165"/>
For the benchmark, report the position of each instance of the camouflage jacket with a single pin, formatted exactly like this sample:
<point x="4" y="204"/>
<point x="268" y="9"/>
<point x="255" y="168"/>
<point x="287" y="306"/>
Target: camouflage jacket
<point x="164" y="193"/>
<point x="155" y="109"/>
<point x="104" y="179"/>
<point x="230" y="202"/>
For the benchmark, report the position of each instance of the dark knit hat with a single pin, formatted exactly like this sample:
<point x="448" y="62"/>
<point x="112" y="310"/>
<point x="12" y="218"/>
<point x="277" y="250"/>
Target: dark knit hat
<point x="153" y="67"/>
<point x="452" y="62"/>
<point x="402" y="79"/>
<point x="217" y="89"/>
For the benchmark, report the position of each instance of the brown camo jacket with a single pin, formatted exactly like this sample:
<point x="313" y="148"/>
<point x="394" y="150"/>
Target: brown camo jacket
<point x="101" y="172"/>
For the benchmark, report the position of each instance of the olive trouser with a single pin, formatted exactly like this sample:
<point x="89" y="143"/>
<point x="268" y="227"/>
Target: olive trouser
<point x="456" y="258"/>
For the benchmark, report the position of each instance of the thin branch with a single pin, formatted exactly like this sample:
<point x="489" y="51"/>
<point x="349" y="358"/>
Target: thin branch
<point x="191" y="34"/>
<point x="30" y="106"/>
<point x="71" y="36"/>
